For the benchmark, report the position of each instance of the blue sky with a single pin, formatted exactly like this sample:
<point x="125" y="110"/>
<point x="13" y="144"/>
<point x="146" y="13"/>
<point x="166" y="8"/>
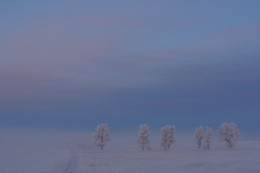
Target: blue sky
<point x="70" y="65"/>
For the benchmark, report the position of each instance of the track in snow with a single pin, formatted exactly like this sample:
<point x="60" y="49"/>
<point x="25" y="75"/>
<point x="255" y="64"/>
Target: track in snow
<point x="71" y="164"/>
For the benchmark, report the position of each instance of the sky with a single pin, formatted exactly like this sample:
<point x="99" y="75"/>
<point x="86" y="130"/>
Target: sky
<point x="70" y="65"/>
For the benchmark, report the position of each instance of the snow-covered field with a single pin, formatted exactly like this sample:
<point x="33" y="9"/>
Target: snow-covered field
<point x="56" y="153"/>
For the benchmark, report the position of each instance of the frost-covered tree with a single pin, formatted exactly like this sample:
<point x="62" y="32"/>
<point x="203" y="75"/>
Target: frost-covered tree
<point x="229" y="133"/>
<point x="167" y="136"/>
<point x="207" y="138"/>
<point x="101" y="136"/>
<point x="199" y="136"/>
<point x="143" y="137"/>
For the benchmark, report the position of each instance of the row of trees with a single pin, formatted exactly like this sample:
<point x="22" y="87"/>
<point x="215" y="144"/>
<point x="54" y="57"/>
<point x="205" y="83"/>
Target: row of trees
<point x="228" y="132"/>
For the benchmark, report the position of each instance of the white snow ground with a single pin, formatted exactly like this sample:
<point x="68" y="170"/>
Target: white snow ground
<point x="72" y="154"/>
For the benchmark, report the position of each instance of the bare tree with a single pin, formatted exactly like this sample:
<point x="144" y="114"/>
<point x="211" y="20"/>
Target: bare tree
<point x="101" y="136"/>
<point x="199" y="136"/>
<point x="229" y="133"/>
<point x="207" y="138"/>
<point x="143" y="137"/>
<point x="167" y="136"/>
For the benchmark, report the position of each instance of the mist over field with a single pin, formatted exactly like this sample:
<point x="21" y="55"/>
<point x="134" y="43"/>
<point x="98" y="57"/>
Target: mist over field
<point x="56" y="152"/>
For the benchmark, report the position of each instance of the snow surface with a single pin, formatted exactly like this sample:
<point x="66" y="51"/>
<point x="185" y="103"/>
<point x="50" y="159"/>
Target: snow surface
<point x="74" y="153"/>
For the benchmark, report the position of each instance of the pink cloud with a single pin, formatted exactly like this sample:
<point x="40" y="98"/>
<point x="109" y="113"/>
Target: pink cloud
<point x="183" y="101"/>
<point x="226" y="38"/>
<point x="103" y="21"/>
